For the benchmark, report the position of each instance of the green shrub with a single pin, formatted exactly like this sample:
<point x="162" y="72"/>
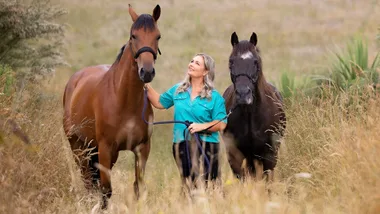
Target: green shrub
<point x="290" y="86"/>
<point x="351" y="68"/>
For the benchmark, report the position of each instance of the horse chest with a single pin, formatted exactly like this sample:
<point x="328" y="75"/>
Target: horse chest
<point x="246" y="129"/>
<point x="131" y="132"/>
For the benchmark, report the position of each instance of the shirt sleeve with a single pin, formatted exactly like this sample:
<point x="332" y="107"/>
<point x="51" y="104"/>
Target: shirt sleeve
<point x="219" y="110"/>
<point x="166" y="98"/>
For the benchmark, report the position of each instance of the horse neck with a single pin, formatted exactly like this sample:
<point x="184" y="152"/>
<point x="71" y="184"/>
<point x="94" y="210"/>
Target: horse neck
<point x="261" y="90"/>
<point x="127" y="84"/>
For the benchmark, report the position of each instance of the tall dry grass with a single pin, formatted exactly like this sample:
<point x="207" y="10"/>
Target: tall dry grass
<point x="328" y="164"/>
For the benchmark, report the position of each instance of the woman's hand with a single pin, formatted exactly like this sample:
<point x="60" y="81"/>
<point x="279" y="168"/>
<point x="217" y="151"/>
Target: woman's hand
<point x="153" y="96"/>
<point x="197" y="127"/>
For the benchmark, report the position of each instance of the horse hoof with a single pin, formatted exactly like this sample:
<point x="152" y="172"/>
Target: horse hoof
<point x="104" y="205"/>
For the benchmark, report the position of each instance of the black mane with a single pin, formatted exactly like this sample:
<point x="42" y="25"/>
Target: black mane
<point x="120" y="53"/>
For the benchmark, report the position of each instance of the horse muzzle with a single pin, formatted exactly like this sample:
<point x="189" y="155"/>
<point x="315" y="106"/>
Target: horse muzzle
<point x="244" y="96"/>
<point x="147" y="75"/>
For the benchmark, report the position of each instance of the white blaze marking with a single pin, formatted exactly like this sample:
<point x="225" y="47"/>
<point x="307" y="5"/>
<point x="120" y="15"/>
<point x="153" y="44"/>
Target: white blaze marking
<point x="247" y="55"/>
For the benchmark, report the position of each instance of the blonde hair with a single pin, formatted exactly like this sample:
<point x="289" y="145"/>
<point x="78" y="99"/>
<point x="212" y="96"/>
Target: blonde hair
<point x="208" y="79"/>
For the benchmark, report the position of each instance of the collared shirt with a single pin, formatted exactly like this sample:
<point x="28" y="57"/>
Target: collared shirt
<point x="198" y="110"/>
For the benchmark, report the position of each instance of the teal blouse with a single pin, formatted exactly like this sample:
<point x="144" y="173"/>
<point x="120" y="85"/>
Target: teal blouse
<point x="198" y="111"/>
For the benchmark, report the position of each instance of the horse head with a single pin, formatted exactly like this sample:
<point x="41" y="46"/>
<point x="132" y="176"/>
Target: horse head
<point x="245" y="68"/>
<point x="144" y="37"/>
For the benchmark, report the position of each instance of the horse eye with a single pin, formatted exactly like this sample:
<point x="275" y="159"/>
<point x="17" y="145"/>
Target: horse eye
<point x="133" y="37"/>
<point x="159" y="37"/>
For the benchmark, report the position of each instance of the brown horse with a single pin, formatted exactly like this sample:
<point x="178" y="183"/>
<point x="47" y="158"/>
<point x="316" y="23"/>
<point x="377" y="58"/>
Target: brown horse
<point x="103" y="106"/>
<point x="257" y="119"/>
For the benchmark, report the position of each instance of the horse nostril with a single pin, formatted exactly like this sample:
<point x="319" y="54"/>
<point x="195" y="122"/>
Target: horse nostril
<point x="153" y="71"/>
<point x="142" y="72"/>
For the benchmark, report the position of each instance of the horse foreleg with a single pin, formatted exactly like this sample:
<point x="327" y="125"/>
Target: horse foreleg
<point x="234" y="155"/>
<point x="237" y="161"/>
<point x="105" y="161"/>
<point x="141" y="156"/>
<point x="259" y="169"/>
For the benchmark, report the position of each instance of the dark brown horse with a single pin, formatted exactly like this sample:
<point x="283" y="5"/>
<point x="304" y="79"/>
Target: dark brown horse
<point x="103" y="106"/>
<point x="257" y="121"/>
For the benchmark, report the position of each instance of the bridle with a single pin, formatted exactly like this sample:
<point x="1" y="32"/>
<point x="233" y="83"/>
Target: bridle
<point x="144" y="49"/>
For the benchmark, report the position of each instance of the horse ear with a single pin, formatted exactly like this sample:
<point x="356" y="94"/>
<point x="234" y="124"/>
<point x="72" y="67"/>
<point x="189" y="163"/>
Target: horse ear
<point x="234" y="39"/>
<point x="253" y="39"/>
<point x="132" y="13"/>
<point x="156" y="13"/>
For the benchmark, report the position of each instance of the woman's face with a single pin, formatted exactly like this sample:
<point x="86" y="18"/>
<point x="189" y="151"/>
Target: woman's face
<point x="196" y="67"/>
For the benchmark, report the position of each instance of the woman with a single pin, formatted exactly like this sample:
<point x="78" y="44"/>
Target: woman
<point x="195" y="100"/>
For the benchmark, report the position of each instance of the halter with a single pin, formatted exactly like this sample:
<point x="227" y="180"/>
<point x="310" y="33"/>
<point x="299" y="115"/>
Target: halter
<point x="234" y="77"/>
<point x="145" y="49"/>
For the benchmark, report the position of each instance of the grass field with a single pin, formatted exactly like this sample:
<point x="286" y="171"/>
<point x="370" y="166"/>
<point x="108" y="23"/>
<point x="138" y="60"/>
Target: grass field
<point x="340" y="152"/>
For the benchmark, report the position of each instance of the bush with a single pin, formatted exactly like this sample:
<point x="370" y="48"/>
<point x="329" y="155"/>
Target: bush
<point x="30" y="40"/>
<point x="291" y="87"/>
<point x="351" y="69"/>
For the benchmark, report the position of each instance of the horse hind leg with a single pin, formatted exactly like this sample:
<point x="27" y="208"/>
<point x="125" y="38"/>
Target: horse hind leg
<point x="81" y="160"/>
<point x="141" y="156"/>
<point x="94" y="170"/>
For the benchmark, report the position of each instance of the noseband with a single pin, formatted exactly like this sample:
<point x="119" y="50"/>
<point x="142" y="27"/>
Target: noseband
<point x="234" y="77"/>
<point x="146" y="49"/>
